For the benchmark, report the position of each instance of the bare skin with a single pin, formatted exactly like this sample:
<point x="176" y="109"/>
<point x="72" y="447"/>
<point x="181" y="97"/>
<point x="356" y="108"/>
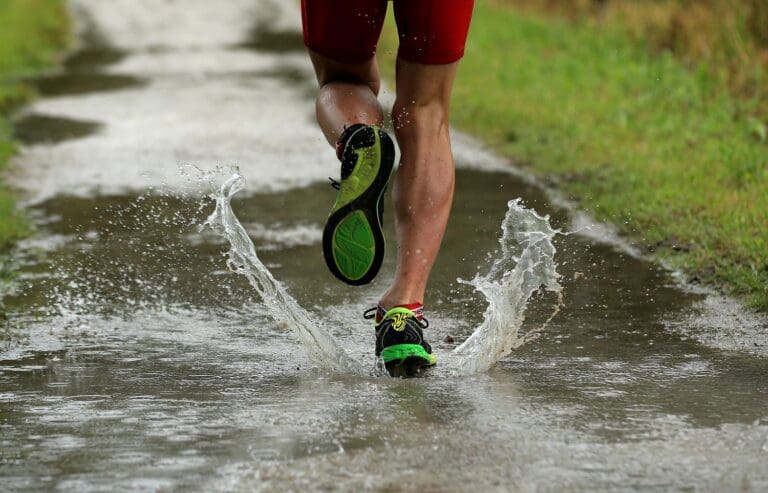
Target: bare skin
<point x="347" y="95"/>
<point x="423" y="186"/>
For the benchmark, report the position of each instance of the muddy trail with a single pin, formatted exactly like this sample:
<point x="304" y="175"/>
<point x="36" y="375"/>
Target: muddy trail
<point x="134" y="359"/>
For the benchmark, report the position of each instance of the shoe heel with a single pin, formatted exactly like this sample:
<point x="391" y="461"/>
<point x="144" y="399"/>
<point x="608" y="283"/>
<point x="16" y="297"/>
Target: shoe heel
<point x="406" y="360"/>
<point x="407" y="368"/>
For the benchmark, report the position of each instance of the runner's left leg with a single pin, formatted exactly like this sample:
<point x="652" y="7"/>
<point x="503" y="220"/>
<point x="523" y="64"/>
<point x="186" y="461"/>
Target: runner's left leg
<point x="347" y="95"/>
<point x="341" y="37"/>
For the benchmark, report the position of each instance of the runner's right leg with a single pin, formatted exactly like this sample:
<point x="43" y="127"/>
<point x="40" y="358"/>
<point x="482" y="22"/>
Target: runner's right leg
<point x="423" y="186"/>
<point x="432" y="37"/>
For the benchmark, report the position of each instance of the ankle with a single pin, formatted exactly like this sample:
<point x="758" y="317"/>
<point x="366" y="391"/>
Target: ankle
<point x="416" y="307"/>
<point x="396" y="296"/>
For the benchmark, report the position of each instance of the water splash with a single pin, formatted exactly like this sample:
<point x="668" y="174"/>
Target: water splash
<point x="322" y="348"/>
<point x="525" y="266"/>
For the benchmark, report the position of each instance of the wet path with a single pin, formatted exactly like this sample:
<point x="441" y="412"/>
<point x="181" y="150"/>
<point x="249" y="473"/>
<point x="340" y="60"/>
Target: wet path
<point x="133" y="360"/>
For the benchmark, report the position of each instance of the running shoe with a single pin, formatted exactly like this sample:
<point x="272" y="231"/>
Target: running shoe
<point x="353" y="241"/>
<point x="400" y="342"/>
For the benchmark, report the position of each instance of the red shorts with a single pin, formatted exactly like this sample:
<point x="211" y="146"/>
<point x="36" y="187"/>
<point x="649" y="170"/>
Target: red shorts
<point x="431" y="31"/>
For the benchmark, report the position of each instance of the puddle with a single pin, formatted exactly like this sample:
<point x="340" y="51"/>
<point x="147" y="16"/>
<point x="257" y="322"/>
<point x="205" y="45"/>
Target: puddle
<point x="264" y="38"/>
<point x="286" y="73"/>
<point x="132" y="326"/>
<point x="91" y="57"/>
<point x="34" y="129"/>
<point x="271" y="35"/>
<point x="78" y="83"/>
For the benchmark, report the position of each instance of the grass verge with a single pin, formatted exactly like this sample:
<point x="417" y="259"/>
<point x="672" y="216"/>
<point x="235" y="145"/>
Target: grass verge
<point x="660" y="149"/>
<point x="33" y="33"/>
<point x="727" y="38"/>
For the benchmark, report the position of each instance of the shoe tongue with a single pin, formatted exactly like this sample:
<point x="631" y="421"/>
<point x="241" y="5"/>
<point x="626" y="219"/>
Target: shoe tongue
<point x="416" y="308"/>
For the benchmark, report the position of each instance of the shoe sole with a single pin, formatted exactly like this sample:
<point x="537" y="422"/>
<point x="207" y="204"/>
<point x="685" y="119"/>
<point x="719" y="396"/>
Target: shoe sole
<point x="406" y="360"/>
<point x="353" y="242"/>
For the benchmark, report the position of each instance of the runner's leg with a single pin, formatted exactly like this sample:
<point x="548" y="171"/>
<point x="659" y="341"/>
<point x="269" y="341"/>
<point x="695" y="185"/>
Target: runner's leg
<point x="347" y="95"/>
<point x="432" y="37"/>
<point x="341" y="36"/>
<point x="423" y="186"/>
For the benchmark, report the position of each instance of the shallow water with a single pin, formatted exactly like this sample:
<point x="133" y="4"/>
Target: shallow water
<point x="523" y="266"/>
<point x="134" y="359"/>
<point x="138" y="361"/>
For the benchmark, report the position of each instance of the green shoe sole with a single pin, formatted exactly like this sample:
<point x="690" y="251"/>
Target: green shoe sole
<point x="406" y="360"/>
<point x="353" y="242"/>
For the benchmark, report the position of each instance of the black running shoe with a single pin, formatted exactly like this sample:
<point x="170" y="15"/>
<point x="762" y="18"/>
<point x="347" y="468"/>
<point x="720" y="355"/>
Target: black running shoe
<point x="400" y="342"/>
<point x="353" y="241"/>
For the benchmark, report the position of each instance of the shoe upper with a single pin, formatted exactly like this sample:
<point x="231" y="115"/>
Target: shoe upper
<point x="341" y="146"/>
<point x="399" y="326"/>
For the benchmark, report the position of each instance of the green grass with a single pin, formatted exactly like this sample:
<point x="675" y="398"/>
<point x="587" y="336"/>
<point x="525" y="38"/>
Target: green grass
<point x="662" y="151"/>
<point x="32" y="34"/>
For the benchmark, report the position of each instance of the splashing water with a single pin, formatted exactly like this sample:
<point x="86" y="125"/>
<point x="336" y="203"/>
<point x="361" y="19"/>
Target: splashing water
<point x="322" y="348"/>
<point x="525" y="266"/>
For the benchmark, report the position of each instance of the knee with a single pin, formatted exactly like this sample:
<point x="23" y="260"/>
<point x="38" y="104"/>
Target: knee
<point x="336" y="79"/>
<point x="329" y="72"/>
<point x="413" y="119"/>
